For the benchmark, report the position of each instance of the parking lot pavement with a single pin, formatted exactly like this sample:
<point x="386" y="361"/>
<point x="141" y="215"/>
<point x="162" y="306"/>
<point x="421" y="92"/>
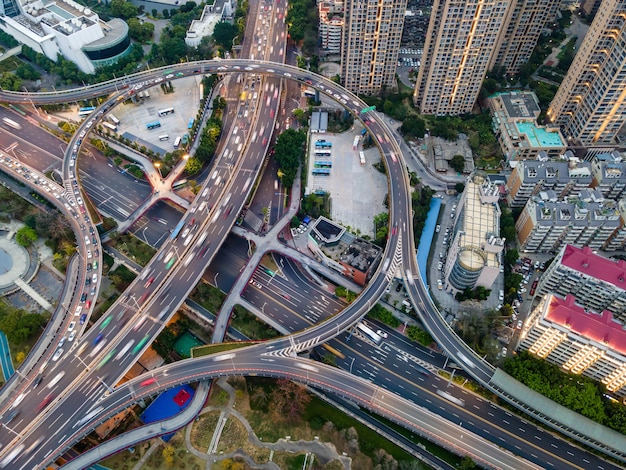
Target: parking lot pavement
<point x="357" y="191"/>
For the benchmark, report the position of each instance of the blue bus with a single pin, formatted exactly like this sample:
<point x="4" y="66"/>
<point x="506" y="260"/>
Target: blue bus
<point x="177" y="229"/>
<point x="190" y="124"/>
<point x="84" y="112"/>
<point x="321" y="172"/>
<point x="364" y="131"/>
<point x="323" y="164"/>
<point x="153" y="125"/>
<point x="323" y="144"/>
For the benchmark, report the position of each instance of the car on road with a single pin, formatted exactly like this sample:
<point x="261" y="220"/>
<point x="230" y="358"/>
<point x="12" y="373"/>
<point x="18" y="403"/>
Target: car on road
<point x="150" y="281"/>
<point x="62" y="342"/>
<point x="83" y="297"/>
<point x="71" y="326"/>
<point x="72" y="336"/>
<point x="57" y="354"/>
<point x="382" y="334"/>
<point x="89" y="255"/>
<point x="88" y="304"/>
<point x="398" y="287"/>
<point x="38" y="380"/>
<point x="519" y="324"/>
<point x="45" y="402"/>
<point x="82" y="319"/>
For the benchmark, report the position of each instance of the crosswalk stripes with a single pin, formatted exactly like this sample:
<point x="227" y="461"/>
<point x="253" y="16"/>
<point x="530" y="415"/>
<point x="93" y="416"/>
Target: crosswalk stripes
<point x="293" y="350"/>
<point x="396" y="261"/>
<point x="253" y="220"/>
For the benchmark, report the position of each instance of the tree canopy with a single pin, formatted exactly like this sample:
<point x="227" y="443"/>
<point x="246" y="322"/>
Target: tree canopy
<point x="288" y="154"/>
<point x="224" y="33"/>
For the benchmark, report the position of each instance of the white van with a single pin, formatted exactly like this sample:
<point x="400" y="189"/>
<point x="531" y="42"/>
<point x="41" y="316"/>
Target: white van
<point x="164" y="137"/>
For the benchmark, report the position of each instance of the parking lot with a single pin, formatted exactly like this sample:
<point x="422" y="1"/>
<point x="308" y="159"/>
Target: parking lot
<point x="357" y="191"/>
<point x="134" y="116"/>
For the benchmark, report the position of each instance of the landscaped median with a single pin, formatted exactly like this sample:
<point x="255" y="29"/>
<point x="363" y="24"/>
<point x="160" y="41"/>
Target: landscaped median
<point x="209" y="349"/>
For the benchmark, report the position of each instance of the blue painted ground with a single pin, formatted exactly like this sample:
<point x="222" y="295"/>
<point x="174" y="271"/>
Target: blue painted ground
<point x="5" y="358"/>
<point x="427" y="237"/>
<point x="166" y="405"/>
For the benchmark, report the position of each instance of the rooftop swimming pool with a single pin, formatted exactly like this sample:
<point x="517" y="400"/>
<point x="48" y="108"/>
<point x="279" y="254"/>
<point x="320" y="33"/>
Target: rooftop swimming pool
<point x="538" y="136"/>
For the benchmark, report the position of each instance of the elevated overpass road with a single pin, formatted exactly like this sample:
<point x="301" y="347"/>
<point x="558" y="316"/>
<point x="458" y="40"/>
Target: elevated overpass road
<point x="400" y="243"/>
<point x="323" y="377"/>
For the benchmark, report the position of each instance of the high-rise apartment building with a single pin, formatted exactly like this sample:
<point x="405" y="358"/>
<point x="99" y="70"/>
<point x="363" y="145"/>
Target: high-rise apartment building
<point x="530" y="177"/>
<point x="521" y="30"/>
<point x="578" y="340"/>
<point x="331" y="26"/>
<point x="371" y="43"/>
<point x="461" y="39"/>
<point x="598" y="283"/>
<point x="547" y="223"/>
<point x="590" y="105"/>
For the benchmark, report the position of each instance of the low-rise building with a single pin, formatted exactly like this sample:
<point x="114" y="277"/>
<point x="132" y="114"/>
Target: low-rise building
<point x="597" y="282"/>
<point x="68" y="28"/>
<point x="545" y="224"/>
<point x="514" y="121"/>
<point x="530" y="177"/>
<point x="218" y="11"/>
<point x="353" y="257"/>
<point x="474" y="254"/>
<point x="578" y="340"/>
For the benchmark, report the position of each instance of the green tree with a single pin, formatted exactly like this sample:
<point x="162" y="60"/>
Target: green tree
<point x="25" y="236"/>
<point x="510" y="257"/>
<point x="421" y="336"/>
<point x="289" y="150"/>
<point x="193" y="166"/>
<point x="224" y="33"/>
<point x="458" y="163"/>
<point x="459" y="187"/>
<point x="123" y="9"/>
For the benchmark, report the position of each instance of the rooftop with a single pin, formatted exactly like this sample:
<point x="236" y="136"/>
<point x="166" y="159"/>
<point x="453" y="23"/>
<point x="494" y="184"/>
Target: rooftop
<point x="520" y="104"/>
<point x="600" y="328"/>
<point x="326" y="230"/>
<point x="585" y="261"/>
<point x="479" y="223"/>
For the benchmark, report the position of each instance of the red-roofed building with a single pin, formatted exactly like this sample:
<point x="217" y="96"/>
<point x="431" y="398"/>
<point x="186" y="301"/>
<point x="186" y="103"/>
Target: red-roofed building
<point x="578" y="340"/>
<point x="597" y="283"/>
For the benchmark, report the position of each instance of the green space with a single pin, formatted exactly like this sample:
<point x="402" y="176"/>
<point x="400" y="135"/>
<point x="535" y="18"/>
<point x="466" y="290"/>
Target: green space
<point x="134" y="248"/>
<point x="251" y="326"/>
<point x="580" y="394"/>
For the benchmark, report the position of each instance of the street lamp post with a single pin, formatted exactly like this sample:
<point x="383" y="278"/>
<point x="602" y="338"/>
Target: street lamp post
<point x="215" y="280"/>
<point x="351" y="363"/>
<point x="158" y="167"/>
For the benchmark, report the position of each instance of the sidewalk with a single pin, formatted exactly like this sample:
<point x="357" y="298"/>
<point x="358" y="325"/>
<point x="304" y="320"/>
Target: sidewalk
<point x="233" y="297"/>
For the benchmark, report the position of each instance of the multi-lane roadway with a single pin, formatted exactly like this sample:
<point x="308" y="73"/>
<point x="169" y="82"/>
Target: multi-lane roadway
<point x="156" y="302"/>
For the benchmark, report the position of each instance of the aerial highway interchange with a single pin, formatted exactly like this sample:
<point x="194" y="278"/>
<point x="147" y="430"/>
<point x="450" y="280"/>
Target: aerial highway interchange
<point x="85" y="374"/>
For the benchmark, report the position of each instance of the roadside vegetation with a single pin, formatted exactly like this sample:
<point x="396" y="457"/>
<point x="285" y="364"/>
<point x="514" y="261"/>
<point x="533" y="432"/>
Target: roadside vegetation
<point x="580" y="394"/>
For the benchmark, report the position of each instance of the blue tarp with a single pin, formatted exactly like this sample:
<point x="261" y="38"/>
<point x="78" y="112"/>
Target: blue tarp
<point x="427" y="237"/>
<point x="166" y="405"/>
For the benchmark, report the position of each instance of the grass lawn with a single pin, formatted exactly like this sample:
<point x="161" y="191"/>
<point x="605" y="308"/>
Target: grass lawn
<point x="202" y="430"/>
<point x="140" y="252"/>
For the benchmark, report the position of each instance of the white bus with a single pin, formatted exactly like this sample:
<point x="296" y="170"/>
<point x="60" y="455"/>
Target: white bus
<point x="12" y="123"/>
<point x="166" y="111"/>
<point x="110" y="126"/>
<point x="113" y="119"/>
<point x="362" y="158"/>
<point x="164" y="137"/>
<point x="177" y="142"/>
<point x="369" y="332"/>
